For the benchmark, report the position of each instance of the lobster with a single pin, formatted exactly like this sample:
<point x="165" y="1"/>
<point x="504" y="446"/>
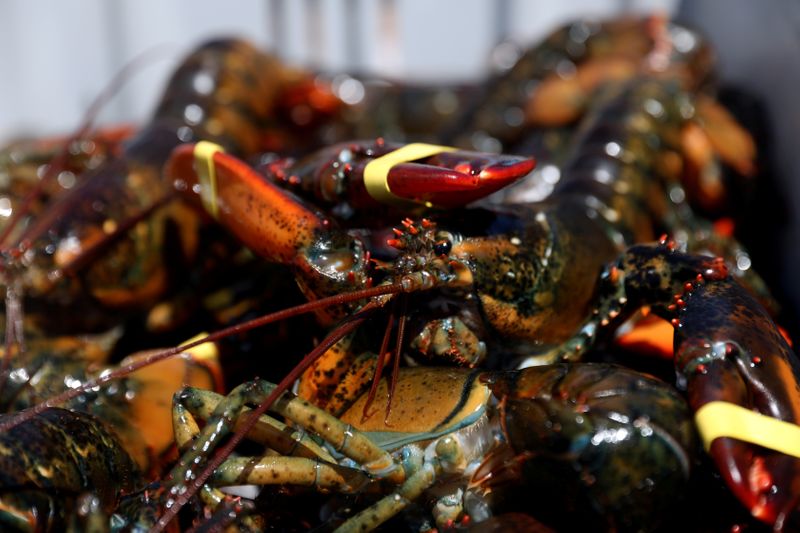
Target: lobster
<point x="536" y="105"/>
<point x="527" y="283"/>
<point x="445" y="426"/>
<point x="551" y="82"/>
<point x="505" y="281"/>
<point x="100" y="245"/>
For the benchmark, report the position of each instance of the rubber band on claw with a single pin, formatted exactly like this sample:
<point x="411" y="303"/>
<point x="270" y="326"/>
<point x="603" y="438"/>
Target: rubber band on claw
<point x="725" y="419"/>
<point x="207" y="174"/>
<point x="376" y="173"/>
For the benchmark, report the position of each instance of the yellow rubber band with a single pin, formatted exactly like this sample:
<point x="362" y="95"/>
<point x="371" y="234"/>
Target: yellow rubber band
<point x="725" y="419"/>
<point x="376" y="173"/>
<point x="207" y="351"/>
<point x="206" y="174"/>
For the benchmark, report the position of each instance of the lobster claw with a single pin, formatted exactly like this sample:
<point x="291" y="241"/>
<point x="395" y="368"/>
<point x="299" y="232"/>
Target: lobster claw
<point x="272" y="222"/>
<point x="368" y="175"/>
<point x="742" y="381"/>
<point x="454" y="178"/>
<point x="741" y="376"/>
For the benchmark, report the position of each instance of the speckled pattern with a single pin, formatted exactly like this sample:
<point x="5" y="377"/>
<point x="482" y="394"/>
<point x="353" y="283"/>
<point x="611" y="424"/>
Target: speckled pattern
<point x="618" y="444"/>
<point x="726" y="348"/>
<point x="55" y="457"/>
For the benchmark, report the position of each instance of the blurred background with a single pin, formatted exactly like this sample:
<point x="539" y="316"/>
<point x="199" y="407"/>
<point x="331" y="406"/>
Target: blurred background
<point x="55" y="57"/>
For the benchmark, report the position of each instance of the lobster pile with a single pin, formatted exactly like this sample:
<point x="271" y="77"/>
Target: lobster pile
<point x="450" y="352"/>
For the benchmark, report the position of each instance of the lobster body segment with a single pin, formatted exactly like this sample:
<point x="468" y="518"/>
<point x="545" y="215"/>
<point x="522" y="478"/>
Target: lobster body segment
<point x="620" y="445"/>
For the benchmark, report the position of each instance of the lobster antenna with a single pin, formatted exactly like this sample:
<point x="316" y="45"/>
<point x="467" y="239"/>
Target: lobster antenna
<point x="224" y="452"/>
<point x="401" y="329"/>
<point x="376" y="377"/>
<point x="59" y="161"/>
<point x="13" y="336"/>
<point x="109" y="375"/>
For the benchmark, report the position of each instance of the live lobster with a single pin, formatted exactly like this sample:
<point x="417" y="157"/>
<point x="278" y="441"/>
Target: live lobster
<point x="567" y="289"/>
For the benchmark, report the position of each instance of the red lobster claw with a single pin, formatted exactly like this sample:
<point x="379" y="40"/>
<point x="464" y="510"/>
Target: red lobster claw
<point x="373" y="174"/>
<point x="744" y="384"/>
<point x="741" y="376"/>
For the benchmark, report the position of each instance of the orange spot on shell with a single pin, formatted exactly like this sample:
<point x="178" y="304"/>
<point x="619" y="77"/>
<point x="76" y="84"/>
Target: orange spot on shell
<point x="785" y="336"/>
<point x="650" y="336"/>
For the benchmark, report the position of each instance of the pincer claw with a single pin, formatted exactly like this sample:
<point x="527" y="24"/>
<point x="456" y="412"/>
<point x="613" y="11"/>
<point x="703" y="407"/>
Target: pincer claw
<point x="454" y="178"/>
<point x="372" y="175"/>
<point x="742" y="383"/>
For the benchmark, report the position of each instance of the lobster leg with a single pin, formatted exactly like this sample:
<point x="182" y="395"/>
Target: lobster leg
<point x="388" y="506"/>
<point x="729" y="353"/>
<point x="343" y="437"/>
<point x="310" y="465"/>
<point x="193" y="403"/>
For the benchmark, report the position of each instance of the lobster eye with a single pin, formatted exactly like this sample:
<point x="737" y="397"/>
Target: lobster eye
<point x="442" y="247"/>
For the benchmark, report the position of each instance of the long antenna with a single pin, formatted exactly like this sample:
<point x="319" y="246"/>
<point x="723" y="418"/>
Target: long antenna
<point x="338" y="299"/>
